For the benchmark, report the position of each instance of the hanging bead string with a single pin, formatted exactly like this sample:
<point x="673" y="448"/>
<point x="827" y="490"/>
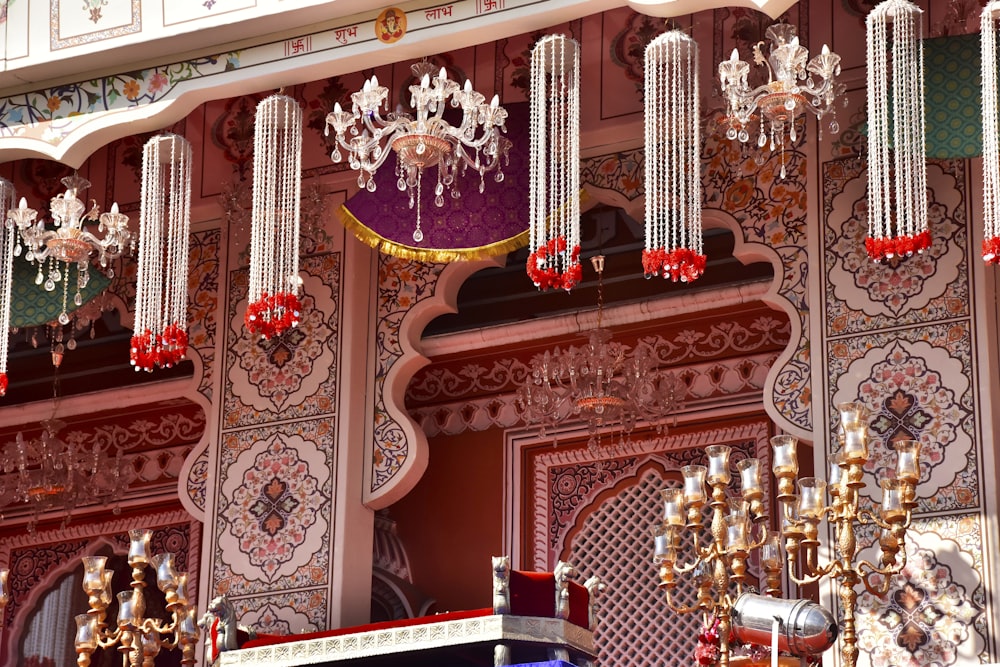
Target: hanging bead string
<point x="673" y="160"/>
<point x="8" y="236"/>
<point x="897" y="174"/>
<point x="991" y="133"/>
<point x="160" y="338"/>
<point x="274" y="304"/>
<point x="554" y="166"/>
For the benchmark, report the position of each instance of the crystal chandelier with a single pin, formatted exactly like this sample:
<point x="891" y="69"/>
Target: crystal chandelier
<point x="273" y="298"/>
<point x="991" y="133"/>
<point x="673" y="160"/>
<point x="789" y="91"/>
<point x="554" y="169"/>
<point x="424" y="139"/>
<point x="897" y="170"/>
<point x="139" y="639"/>
<point x="7" y="242"/>
<point x="164" y="222"/>
<point x="70" y="242"/>
<point x="50" y="474"/>
<point x="602" y="382"/>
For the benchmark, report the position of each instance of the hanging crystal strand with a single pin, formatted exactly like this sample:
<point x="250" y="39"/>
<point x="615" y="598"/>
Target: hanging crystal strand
<point x="991" y="133"/>
<point x="673" y="159"/>
<point x="273" y="299"/>
<point x="897" y="173"/>
<point x="8" y="240"/>
<point x="554" y="166"/>
<point x="160" y="334"/>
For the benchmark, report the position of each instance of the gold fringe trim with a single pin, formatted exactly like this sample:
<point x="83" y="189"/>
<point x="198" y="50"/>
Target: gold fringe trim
<point x="439" y="255"/>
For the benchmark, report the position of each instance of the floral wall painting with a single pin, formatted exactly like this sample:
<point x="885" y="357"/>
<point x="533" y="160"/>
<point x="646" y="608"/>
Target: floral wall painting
<point x="73" y="22"/>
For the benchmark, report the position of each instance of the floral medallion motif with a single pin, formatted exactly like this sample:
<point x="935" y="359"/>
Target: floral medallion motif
<point x="904" y="386"/>
<point x="284" y="613"/>
<point x="197" y="480"/>
<point x="916" y="289"/>
<point x="293" y="374"/>
<point x="928" y="617"/>
<point x="273" y="494"/>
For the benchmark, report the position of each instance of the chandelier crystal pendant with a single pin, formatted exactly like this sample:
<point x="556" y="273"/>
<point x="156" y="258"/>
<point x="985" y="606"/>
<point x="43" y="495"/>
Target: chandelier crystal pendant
<point x="602" y="382"/>
<point x="897" y="170"/>
<point x="991" y="133"/>
<point x="673" y="160"/>
<point x="273" y="297"/>
<point x="554" y="164"/>
<point x="423" y="139"/>
<point x="69" y="242"/>
<point x="8" y="234"/>
<point x="160" y="338"/>
<point x="790" y="91"/>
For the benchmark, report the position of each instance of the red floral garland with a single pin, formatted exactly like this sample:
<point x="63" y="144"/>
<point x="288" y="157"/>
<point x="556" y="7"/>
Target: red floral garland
<point x="3" y="384"/>
<point x="897" y="246"/>
<point x="991" y="250"/>
<point x="150" y="350"/>
<point x="545" y="276"/>
<point x="680" y="264"/>
<point x="273" y="315"/>
<point x="707" y="651"/>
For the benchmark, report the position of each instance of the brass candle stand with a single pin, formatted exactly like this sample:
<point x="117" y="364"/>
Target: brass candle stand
<point x="139" y="639"/>
<point x="802" y="513"/>
<point x="738" y="526"/>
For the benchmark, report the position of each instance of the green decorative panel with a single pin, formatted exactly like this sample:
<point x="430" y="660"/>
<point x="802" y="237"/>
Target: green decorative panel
<point x="952" y="89"/>
<point x="31" y="305"/>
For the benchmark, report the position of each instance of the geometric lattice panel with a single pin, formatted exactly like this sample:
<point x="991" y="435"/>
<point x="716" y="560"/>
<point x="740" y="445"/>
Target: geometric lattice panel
<point x="635" y="626"/>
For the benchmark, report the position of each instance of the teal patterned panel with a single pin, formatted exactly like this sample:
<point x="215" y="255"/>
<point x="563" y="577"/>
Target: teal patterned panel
<point x="952" y="89"/>
<point x="31" y="305"/>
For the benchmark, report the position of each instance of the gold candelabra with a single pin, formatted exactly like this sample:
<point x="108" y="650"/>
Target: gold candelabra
<point x="139" y="639"/>
<point x="802" y="513"/>
<point x="738" y="526"/>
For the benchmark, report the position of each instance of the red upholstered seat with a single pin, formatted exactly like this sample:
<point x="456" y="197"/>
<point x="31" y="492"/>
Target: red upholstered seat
<point x="533" y="594"/>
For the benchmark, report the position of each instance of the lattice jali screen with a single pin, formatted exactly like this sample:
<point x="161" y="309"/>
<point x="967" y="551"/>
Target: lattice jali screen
<point x="614" y="543"/>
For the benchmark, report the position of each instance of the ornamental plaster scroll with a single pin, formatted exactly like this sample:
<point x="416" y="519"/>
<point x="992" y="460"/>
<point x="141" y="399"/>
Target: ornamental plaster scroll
<point x="709" y="383"/>
<point x="767" y="216"/>
<point x="627" y="459"/>
<point x="70" y="121"/>
<point x="410" y="295"/>
<point x="935" y="611"/>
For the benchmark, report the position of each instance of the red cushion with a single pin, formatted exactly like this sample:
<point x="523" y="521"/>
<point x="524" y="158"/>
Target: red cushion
<point x="579" y="605"/>
<point x="267" y="640"/>
<point x="532" y="593"/>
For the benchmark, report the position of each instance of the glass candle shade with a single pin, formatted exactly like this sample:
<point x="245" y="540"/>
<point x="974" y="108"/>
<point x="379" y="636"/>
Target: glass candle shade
<point x="836" y="474"/>
<point x="770" y="551"/>
<point x="86" y="633"/>
<point x="784" y="461"/>
<point x="738" y="507"/>
<point x="908" y="460"/>
<point x="750" y="478"/>
<point x="93" y="574"/>
<point x="4" y="589"/>
<point x="663" y="538"/>
<point x="188" y="629"/>
<point x="856" y="443"/>
<point x="673" y="506"/>
<point x="718" y="464"/>
<point x="128" y="607"/>
<point x="138" y="549"/>
<point x="166" y="576"/>
<point x="853" y="415"/>
<point x="150" y="644"/>
<point x="790" y="522"/>
<point x="736" y="533"/>
<point x="109" y="576"/>
<point x="182" y="582"/>
<point x="893" y="509"/>
<point x="694" y="484"/>
<point x="812" y="498"/>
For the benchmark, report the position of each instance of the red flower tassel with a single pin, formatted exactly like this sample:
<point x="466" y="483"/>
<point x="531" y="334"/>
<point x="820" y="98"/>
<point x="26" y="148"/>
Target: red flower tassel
<point x="3" y="384"/>
<point x="991" y="250"/>
<point x="897" y="246"/>
<point x="545" y="276"/>
<point x="681" y="264"/>
<point x="273" y="315"/>
<point x="163" y="351"/>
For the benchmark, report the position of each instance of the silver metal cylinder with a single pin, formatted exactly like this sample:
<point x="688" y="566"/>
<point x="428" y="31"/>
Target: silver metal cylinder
<point x="806" y="628"/>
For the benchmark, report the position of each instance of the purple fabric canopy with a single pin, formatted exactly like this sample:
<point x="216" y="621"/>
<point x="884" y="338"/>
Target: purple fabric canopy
<point x="470" y="227"/>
